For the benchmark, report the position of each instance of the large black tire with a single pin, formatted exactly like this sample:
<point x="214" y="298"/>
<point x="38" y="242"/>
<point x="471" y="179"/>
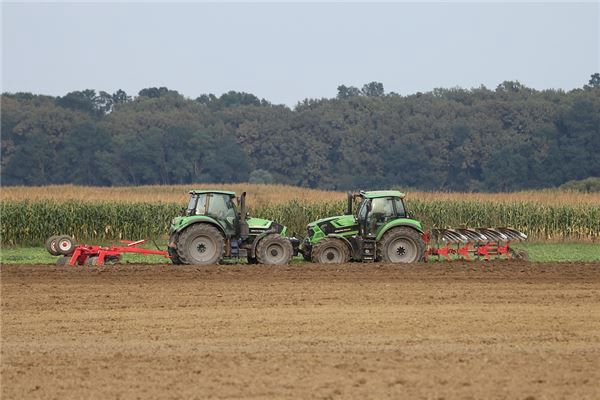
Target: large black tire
<point x="65" y="245"/>
<point x="174" y="256"/>
<point x="93" y="260"/>
<point x="51" y="245"/>
<point x="307" y="255"/>
<point x="112" y="259"/>
<point x="401" y="245"/>
<point x="274" y="249"/>
<point x="63" y="260"/>
<point x="306" y="250"/>
<point x="330" y="251"/>
<point x="200" y="244"/>
<point x="519" y="254"/>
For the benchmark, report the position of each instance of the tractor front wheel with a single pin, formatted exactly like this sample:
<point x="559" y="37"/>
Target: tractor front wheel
<point x="401" y="245"/>
<point x="330" y="251"/>
<point x="274" y="249"/>
<point x="200" y="244"/>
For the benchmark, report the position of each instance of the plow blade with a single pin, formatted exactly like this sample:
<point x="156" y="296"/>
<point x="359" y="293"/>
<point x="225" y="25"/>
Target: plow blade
<point x="469" y="243"/>
<point x="481" y="235"/>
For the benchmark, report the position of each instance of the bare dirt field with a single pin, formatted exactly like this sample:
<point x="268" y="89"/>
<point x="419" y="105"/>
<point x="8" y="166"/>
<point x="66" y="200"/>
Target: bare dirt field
<point x="499" y="330"/>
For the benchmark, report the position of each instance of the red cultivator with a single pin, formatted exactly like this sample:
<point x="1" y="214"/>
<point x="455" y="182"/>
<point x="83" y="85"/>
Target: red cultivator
<point x="94" y="255"/>
<point x="469" y="244"/>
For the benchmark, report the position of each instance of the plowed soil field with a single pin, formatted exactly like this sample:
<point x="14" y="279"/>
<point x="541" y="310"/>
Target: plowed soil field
<point x="496" y="330"/>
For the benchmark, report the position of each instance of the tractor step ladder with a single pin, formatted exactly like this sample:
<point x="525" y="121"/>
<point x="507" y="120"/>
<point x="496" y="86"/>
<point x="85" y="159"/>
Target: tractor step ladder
<point x="369" y="249"/>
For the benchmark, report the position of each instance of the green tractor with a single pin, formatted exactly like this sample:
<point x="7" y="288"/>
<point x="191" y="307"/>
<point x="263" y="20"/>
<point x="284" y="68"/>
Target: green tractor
<point x="213" y="227"/>
<point x="381" y="230"/>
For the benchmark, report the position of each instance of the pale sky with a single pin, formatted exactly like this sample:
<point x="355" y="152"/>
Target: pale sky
<point x="286" y="52"/>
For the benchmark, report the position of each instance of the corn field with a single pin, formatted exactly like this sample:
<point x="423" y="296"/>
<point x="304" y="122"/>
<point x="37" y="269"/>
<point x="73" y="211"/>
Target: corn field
<point x="264" y="195"/>
<point x="31" y="222"/>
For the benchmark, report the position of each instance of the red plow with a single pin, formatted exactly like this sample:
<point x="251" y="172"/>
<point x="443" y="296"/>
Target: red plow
<point x="470" y="244"/>
<point x="84" y="254"/>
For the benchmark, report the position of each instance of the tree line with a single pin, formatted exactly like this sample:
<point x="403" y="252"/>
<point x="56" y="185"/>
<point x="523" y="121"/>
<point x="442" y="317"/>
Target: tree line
<point x="509" y="138"/>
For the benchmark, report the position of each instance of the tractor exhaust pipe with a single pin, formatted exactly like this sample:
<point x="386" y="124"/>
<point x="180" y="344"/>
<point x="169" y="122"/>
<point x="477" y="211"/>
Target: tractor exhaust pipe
<point x="350" y="199"/>
<point x="244" y="228"/>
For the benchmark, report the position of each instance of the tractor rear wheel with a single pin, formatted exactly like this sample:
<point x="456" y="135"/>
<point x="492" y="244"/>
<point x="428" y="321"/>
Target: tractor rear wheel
<point x="200" y="244"/>
<point x="274" y="249"/>
<point x="401" y="245"/>
<point x="174" y="256"/>
<point x="330" y="251"/>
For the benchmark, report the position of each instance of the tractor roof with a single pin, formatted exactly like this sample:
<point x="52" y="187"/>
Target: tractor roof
<point x="231" y="194"/>
<point x="382" y="193"/>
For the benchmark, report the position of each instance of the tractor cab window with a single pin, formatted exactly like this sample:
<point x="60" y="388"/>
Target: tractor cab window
<point x="222" y="208"/>
<point x="382" y="207"/>
<point x="191" y="205"/>
<point x="198" y="204"/>
<point x="382" y="211"/>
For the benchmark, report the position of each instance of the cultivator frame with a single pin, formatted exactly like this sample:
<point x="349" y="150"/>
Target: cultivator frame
<point x="85" y="254"/>
<point x="469" y="244"/>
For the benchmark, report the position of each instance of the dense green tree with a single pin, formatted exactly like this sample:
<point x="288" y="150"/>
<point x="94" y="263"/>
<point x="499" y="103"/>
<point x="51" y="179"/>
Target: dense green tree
<point x="261" y="176"/>
<point x="346" y="92"/>
<point x="594" y="80"/>
<point x="79" y="100"/>
<point x="588" y="185"/>
<point x="156" y="93"/>
<point x="80" y="158"/>
<point x="510" y="138"/>
<point x="373" y="89"/>
<point x="120" y="97"/>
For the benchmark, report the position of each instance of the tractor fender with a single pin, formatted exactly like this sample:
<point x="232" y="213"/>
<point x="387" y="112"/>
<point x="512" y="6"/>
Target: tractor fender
<point x="399" y="222"/>
<point x="333" y="235"/>
<point x="193" y="221"/>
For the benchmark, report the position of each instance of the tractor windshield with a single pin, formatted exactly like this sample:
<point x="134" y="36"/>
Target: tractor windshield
<point x="361" y="211"/>
<point x="191" y="205"/>
<point x="197" y="204"/>
<point x="382" y="207"/>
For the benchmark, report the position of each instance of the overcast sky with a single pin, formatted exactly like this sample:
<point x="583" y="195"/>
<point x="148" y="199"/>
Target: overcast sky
<point x="292" y="51"/>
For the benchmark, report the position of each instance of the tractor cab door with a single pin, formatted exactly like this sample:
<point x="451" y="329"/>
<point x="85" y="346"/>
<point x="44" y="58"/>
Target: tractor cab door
<point x="222" y="209"/>
<point x="375" y="213"/>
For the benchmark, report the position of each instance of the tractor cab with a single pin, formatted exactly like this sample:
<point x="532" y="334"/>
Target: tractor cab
<point x="218" y="205"/>
<point x="377" y="208"/>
